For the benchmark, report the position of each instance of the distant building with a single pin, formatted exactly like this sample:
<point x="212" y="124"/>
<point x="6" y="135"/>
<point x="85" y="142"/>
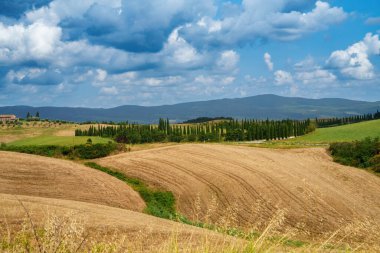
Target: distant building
<point x="8" y="118"/>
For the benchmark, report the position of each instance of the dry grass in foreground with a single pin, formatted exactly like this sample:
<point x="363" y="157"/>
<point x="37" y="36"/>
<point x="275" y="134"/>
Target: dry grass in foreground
<point x="68" y="229"/>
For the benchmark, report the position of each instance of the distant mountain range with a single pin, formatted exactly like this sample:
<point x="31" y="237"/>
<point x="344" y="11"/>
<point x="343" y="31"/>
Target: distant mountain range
<point x="258" y="107"/>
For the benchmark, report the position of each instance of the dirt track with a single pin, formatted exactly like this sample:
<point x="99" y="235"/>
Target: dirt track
<point x="31" y="175"/>
<point x="317" y="193"/>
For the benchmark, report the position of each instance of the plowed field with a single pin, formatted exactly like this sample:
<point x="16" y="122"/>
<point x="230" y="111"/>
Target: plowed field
<point x="32" y="175"/>
<point x="317" y="194"/>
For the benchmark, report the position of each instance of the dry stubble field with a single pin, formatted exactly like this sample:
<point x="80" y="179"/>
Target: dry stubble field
<point x="252" y="184"/>
<point x="122" y="229"/>
<point x="32" y="175"/>
<point x="231" y="186"/>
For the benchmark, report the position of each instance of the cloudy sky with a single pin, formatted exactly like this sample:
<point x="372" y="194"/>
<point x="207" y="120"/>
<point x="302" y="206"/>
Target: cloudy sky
<point x="104" y="53"/>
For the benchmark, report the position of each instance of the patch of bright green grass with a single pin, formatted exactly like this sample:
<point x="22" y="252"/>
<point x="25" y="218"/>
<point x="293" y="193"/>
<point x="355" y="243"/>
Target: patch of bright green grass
<point x="58" y="140"/>
<point x="158" y="203"/>
<point x="351" y="132"/>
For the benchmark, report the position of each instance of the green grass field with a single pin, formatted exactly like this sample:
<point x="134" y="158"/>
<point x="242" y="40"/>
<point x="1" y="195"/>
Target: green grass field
<point x="58" y="140"/>
<point x="357" y="131"/>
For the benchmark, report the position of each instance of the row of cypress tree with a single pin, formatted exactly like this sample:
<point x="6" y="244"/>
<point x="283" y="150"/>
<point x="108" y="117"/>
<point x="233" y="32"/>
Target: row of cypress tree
<point x="228" y="130"/>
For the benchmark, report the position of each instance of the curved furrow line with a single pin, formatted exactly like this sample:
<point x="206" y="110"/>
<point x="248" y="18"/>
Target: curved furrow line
<point x="281" y="191"/>
<point x="314" y="190"/>
<point x="162" y="180"/>
<point x="242" y="184"/>
<point x="215" y="189"/>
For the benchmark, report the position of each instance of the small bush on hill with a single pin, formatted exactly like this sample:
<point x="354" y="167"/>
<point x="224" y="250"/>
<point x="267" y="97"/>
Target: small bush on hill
<point x="376" y="163"/>
<point x="176" y="138"/>
<point x="192" y="138"/>
<point x="92" y="151"/>
<point x="361" y="154"/>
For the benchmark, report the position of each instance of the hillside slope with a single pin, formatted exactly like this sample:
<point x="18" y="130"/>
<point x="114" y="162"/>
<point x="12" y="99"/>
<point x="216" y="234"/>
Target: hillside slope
<point x="351" y="132"/>
<point x="137" y="231"/>
<point x="31" y="175"/>
<point x="259" y="107"/>
<point x="255" y="183"/>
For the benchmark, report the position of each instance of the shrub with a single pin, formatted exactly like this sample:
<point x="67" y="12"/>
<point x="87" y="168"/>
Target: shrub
<point x="375" y="161"/>
<point x="129" y="137"/>
<point x="358" y="153"/>
<point x="235" y="135"/>
<point x="192" y="138"/>
<point x="93" y="151"/>
<point x="158" y="136"/>
<point x="176" y="138"/>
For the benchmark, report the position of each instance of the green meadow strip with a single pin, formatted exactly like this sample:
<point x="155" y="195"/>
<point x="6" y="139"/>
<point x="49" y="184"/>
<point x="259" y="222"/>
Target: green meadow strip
<point x="158" y="203"/>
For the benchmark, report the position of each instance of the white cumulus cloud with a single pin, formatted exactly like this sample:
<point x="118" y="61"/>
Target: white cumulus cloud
<point x="259" y="19"/>
<point x="20" y="42"/>
<point x="268" y="61"/>
<point x="282" y="77"/>
<point x="354" y="62"/>
<point x="228" y="60"/>
<point x="109" y="90"/>
<point x="320" y="76"/>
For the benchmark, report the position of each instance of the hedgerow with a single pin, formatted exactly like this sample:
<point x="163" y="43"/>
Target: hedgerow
<point x="84" y="151"/>
<point x="361" y="154"/>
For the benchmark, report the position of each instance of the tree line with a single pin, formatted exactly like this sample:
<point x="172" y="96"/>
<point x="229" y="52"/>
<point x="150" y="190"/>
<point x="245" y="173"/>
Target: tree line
<point x="330" y="122"/>
<point x="227" y="130"/>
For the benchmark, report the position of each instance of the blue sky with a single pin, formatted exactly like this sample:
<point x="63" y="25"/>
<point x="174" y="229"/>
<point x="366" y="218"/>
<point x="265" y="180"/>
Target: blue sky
<point x="105" y="53"/>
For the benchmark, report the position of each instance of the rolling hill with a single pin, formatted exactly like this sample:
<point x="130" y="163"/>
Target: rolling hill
<point x="32" y="175"/>
<point x="350" y="132"/>
<point x="228" y="185"/>
<point x="253" y="183"/>
<point x="51" y="192"/>
<point x="259" y="107"/>
<point x="130" y="231"/>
